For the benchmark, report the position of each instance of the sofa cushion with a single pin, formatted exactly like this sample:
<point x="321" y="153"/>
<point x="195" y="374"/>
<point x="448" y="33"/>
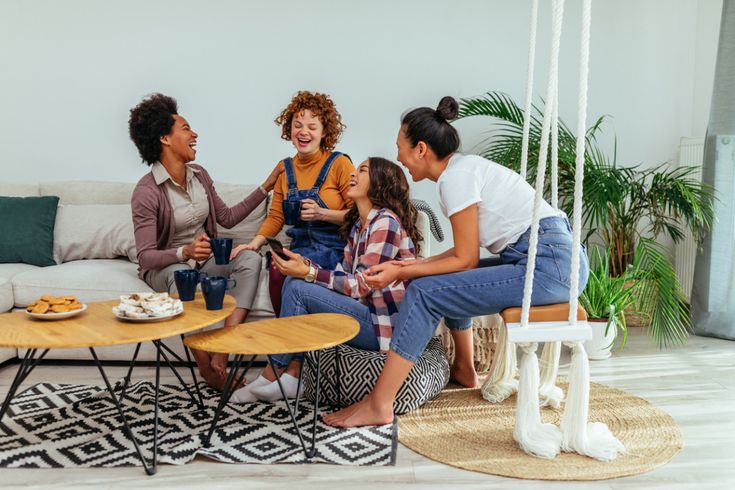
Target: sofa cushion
<point x="19" y="190"/>
<point x="349" y="374"/>
<point x="9" y="270"/>
<point x="27" y="229"/>
<point x="93" y="231"/>
<point x="6" y="294"/>
<point x="244" y="231"/>
<point x="88" y="280"/>
<point x="88" y="192"/>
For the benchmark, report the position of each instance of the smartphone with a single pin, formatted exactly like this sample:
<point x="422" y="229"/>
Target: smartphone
<point x="277" y="247"/>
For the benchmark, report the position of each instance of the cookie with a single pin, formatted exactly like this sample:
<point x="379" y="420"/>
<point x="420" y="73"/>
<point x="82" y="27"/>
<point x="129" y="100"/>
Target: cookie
<point x="40" y="307"/>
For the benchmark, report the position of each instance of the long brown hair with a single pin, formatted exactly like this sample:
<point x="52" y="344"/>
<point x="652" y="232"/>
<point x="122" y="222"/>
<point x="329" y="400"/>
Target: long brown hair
<point x="388" y="189"/>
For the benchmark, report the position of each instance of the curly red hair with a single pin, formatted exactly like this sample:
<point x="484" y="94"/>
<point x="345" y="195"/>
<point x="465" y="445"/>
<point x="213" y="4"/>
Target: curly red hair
<point x="322" y="107"/>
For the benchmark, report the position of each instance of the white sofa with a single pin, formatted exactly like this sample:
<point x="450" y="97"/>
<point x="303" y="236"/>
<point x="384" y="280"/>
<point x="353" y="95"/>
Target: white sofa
<point x="95" y="252"/>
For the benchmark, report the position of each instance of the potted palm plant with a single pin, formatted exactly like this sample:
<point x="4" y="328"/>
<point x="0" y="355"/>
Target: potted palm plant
<point x="625" y="208"/>
<point x="606" y="299"/>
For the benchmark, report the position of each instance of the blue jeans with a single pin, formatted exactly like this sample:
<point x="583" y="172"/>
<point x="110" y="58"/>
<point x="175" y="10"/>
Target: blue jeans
<point x="301" y="298"/>
<point x="320" y="244"/>
<point x="496" y="284"/>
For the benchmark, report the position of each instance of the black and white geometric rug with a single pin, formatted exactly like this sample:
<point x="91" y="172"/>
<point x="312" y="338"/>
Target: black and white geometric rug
<point x="64" y="426"/>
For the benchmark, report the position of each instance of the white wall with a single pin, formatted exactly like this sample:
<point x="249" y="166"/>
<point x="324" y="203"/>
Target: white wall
<point x="71" y="70"/>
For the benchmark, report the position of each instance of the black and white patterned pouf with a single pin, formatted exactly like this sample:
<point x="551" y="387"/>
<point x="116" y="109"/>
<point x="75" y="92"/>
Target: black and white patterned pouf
<point x="349" y="374"/>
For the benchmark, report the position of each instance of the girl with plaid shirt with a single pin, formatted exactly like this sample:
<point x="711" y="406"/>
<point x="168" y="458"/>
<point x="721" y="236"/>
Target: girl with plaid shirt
<point x="380" y="227"/>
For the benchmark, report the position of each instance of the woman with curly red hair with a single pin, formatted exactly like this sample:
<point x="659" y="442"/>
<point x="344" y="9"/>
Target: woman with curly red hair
<point x="311" y="194"/>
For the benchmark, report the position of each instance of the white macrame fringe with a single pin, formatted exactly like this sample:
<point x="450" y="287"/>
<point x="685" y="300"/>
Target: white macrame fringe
<point x="535" y="438"/>
<point x="501" y="382"/>
<point x="550" y="395"/>
<point x="589" y="439"/>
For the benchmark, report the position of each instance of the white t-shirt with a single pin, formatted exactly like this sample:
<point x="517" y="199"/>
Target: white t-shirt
<point x="503" y="198"/>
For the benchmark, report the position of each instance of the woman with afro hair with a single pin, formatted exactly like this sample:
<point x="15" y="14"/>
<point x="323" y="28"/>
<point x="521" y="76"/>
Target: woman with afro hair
<point x="316" y="181"/>
<point x="176" y="209"/>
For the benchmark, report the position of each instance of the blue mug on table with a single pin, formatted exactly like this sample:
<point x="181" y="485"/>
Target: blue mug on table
<point x="186" y="283"/>
<point x="221" y="249"/>
<point x="213" y="288"/>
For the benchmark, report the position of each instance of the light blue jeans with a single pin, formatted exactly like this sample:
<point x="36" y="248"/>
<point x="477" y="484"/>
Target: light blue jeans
<point x="496" y="284"/>
<point x="301" y="298"/>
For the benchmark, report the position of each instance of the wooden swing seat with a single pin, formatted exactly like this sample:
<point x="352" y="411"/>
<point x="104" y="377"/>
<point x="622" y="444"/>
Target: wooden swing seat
<point x="547" y="323"/>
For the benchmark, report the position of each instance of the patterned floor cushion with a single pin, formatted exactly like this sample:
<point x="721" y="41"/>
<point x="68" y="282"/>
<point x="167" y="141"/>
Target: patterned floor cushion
<point x="348" y="374"/>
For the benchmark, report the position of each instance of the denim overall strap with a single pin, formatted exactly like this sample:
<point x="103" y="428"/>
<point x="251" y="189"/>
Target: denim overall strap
<point x="290" y="178"/>
<point x="324" y="171"/>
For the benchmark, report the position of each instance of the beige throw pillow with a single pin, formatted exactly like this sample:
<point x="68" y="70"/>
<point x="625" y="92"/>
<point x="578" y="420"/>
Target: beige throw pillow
<point x="245" y="231"/>
<point x="93" y="231"/>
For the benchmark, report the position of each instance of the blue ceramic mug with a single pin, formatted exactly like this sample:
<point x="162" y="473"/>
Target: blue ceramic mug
<point x="221" y="249"/>
<point x="186" y="283"/>
<point x="291" y="212"/>
<point x="214" y="288"/>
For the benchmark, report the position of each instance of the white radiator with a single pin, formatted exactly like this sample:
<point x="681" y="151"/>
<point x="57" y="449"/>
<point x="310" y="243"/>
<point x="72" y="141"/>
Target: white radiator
<point x="691" y="153"/>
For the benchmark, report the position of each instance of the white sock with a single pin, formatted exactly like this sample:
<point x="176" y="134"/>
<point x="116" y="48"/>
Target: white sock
<point x="271" y="392"/>
<point x="243" y="395"/>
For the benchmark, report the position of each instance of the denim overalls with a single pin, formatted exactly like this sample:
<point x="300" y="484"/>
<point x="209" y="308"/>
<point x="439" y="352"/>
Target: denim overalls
<point x="318" y="241"/>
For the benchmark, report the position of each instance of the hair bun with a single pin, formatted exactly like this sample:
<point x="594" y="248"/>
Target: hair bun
<point x="448" y="108"/>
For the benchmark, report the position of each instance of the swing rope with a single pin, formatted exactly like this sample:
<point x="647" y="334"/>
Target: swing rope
<point x="529" y="89"/>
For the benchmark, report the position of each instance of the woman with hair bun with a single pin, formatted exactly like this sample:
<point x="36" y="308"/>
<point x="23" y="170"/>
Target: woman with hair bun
<point x="488" y="206"/>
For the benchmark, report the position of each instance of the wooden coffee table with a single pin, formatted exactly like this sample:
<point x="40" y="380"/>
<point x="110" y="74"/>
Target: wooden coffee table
<point x="98" y="327"/>
<point x="293" y="334"/>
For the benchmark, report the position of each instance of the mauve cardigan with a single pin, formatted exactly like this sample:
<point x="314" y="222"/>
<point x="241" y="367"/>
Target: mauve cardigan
<point x="154" y="226"/>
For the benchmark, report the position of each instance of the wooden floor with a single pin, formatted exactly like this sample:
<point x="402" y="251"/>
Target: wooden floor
<point x="695" y="384"/>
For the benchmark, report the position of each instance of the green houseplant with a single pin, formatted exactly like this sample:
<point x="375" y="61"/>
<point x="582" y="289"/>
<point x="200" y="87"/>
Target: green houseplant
<point x="624" y="208"/>
<point x="606" y="299"/>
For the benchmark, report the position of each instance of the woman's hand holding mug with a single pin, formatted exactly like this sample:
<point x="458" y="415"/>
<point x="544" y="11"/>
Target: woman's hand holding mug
<point x="199" y="249"/>
<point x="311" y="210"/>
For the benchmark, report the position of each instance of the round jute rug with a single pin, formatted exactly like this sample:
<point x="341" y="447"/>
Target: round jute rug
<point x="461" y="429"/>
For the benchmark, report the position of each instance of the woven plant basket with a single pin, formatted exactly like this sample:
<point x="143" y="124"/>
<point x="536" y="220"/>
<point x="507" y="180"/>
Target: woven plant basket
<point x="484" y="336"/>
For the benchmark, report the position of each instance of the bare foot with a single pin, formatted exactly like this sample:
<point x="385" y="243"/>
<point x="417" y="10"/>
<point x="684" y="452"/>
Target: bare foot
<point x="364" y="412"/>
<point x="214" y="379"/>
<point x="219" y="365"/>
<point x="465" y="375"/>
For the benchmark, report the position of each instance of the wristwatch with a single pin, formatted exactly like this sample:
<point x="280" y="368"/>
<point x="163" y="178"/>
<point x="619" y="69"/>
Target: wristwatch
<point x="311" y="275"/>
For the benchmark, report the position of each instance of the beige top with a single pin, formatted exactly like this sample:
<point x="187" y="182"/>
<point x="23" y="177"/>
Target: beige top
<point x="190" y="206"/>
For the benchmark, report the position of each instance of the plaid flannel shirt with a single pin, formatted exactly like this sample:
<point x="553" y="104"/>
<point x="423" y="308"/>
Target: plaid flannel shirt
<point x="383" y="239"/>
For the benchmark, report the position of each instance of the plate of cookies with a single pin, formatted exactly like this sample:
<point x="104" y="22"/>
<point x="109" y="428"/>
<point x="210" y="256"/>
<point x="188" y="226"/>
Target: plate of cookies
<point x="49" y="307"/>
<point x="147" y="307"/>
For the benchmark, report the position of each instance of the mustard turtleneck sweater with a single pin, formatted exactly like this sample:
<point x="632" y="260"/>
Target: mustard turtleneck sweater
<point x="333" y="191"/>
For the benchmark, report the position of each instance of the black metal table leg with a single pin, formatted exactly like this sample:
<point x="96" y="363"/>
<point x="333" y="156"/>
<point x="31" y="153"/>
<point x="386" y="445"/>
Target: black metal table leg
<point x="338" y="377"/>
<point x="126" y="379"/>
<point x="312" y="451"/>
<point x="160" y="347"/>
<point x="27" y="364"/>
<point x="155" y="409"/>
<point x="227" y="391"/>
<point x="193" y="374"/>
<point x="149" y="469"/>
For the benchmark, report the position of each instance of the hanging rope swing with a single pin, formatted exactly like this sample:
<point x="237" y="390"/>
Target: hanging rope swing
<point x="525" y="327"/>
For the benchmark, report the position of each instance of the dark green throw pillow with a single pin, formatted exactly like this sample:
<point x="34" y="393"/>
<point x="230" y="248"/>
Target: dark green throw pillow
<point x="27" y="229"/>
